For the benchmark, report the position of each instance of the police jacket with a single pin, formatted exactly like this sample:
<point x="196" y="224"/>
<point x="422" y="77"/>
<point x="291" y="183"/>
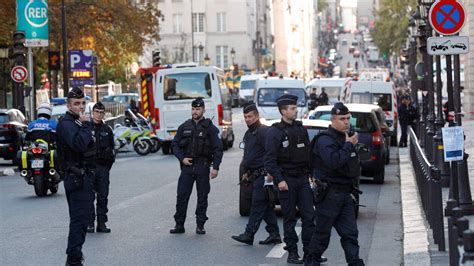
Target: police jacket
<point x="104" y="144"/>
<point x="199" y="141"/>
<point x="42" y="128"/>
<point x="334" y="159"/>
<point x="74" y="137"/>
<point x="407" y="114"/>
<point x="287" y="151"/>
<point x="254" y="149"/>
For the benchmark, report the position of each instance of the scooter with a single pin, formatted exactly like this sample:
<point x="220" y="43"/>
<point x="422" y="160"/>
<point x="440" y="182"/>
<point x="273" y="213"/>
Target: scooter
<point x="131" y="136"/>
<point x="37" y="166"/>
<point x="155" y="141"/>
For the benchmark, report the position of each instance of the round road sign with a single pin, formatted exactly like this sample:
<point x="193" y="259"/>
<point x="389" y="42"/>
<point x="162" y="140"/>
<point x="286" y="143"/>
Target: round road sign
<point x="19" y="73"/>
<point x="447" y="17"/>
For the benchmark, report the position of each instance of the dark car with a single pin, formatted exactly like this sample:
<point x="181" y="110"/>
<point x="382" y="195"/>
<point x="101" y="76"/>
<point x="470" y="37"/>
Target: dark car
<point x="459" y="45"/>
<point x="435" y="47"/>
<point x="364" y="121"/>
<point x="12" y="126"/>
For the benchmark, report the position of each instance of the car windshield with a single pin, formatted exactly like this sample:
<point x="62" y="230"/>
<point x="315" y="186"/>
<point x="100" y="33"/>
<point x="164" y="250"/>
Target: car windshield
<point x="247" y="84"/>
<point x="4" y="118"/>
<point x="187" y="86"/>
<point x="268" y="96"/>
<point x="361" y="122"/>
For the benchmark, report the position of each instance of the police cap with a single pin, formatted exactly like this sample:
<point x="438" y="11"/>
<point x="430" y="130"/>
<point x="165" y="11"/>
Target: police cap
<point x="339" y="109"/>
<point x="99" y="105"/>
<point x="286" y="99"/>
<point x="75" y="93"/>
<point x="198" y="102"/>
<point x="249" y="108"/>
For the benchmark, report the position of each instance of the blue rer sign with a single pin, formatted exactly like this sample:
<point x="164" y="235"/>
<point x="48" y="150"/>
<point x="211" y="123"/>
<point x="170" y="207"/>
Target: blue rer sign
<point x="32" y="18"/>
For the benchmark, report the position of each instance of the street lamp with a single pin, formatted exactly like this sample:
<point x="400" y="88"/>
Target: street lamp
<point x="232" y="55"/>
<point x="206" y="60"/>
<point x="201" y="48"/>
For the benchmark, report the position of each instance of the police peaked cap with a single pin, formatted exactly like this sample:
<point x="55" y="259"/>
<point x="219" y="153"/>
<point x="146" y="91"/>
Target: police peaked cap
<point x="286" y="99"/>
<point x="198" y="102"/>
<point x="249" y="108"/>
<point x="75" y="93"/>
<point x="339" y="109"/>
<point x="99" y="105"/>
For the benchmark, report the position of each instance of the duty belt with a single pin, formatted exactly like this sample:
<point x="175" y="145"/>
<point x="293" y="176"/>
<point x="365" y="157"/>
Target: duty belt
<point x="348" y="188"/>
<point x="295" y="172"/>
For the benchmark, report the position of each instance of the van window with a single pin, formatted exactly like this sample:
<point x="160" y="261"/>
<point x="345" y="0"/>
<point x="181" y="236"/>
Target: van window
<point x="187" y="86"/>
<point x="4" y="118"/>
<point x="361" y="98"/>
<point x="268" y="96"/>
<point x="383" y="100"/>
<point x="332" y="92"/>
<point x="247" y="84"/>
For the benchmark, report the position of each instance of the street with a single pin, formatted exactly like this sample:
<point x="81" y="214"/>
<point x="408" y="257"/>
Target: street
<point x="141" y="207"/>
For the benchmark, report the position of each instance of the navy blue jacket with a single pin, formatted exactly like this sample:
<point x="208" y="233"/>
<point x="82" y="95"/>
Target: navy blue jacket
<point x="254" y="149"/>
<point x="74" y="138"/>
<point x="216" y="144"/>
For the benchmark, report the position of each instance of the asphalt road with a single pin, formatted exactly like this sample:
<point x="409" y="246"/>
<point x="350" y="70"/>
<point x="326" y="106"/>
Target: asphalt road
<point x="141" y="206"/>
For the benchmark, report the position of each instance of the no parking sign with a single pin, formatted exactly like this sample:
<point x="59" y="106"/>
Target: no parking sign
<point x="447" y="17"/>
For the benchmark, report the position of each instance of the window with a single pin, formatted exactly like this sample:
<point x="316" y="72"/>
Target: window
<point x="187" y="86"/>
<point x="222" y="58"/>
<point x="383" y="100"/>
<point x="177" y="23"/>
<point x="198" y="22"/>
<point x="198" y="55"/>
<point x="268" y="96"/>
<point x="4" y="118"/>
<point x="221" y="24"/>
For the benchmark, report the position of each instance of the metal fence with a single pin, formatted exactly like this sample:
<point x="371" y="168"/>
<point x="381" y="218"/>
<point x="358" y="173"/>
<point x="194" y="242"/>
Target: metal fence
<point x="428" y="179"/>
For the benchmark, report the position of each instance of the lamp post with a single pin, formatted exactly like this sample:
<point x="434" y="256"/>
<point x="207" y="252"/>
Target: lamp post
<point x="232" y="55"/>
<point x="4" y="57"/>
<point x="206" y="60"/>
<point x="201" y="48"/>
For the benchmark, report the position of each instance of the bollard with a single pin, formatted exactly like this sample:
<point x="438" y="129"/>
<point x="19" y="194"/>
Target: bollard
<point x="439" y="159"/>
<point x="450" y="205"/>
<point x="465" y="198"/>
<point x="468" y="242"/>
<point x="453" y="236"/>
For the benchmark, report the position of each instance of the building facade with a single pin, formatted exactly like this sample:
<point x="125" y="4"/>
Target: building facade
<point x="468" y="60"/>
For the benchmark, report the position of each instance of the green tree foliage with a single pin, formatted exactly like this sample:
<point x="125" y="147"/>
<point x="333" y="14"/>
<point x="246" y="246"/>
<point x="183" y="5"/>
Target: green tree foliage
<point x="115" y="30"/>
<point x="391" y="24"/>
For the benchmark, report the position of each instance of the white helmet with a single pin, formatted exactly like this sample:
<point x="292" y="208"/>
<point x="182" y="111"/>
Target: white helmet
<point x="45" y="110"/>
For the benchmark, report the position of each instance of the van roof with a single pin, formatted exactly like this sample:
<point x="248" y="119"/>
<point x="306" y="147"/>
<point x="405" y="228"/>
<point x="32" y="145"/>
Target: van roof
<point x="327" y="81"/>
<point x="280" y="82"/>
<point x="250" y="77"/>
<point x="371" y="86"/>
<point x="190" y="70"/>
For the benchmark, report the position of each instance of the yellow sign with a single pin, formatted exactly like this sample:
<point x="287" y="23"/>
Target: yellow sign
<point x="81" y="74"/>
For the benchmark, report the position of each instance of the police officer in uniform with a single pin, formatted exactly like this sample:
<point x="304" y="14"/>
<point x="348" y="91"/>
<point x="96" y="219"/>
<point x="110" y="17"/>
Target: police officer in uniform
<point x="104" y="157"/>
<point x="337" y="167"/>
<point x="261" y="208"/>
<point x="197" y="146"/>
<point x="287" y="160"/>
<point x="74" y="136"/>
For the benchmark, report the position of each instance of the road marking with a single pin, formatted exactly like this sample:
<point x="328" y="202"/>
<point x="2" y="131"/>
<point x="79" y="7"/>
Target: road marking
<point x="278" y="251"/>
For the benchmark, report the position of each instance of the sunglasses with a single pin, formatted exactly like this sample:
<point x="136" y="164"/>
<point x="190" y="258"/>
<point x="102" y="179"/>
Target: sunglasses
<point x="99" y="112"/>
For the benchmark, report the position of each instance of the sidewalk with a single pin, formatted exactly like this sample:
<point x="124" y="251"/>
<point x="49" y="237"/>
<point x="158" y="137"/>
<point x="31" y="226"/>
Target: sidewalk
<point x="418" y="243"/>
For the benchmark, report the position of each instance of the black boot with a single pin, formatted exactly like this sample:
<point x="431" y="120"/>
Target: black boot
<point x="178" y="229"/>
<point x="271" y="239"/>
<point x="102" y="228"/>
<point x="90" y="228"/>
<point x="313" y="260"/>
<point x="294" y="258"/>
<point x="245" y="238"/>
<point x="74" y="261"/>
<point x="200" y="229"/>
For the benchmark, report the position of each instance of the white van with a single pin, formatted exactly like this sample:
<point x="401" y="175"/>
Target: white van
<point x="269" y="89"/>
<point x="175" y="88"/>
<point x="380" y="93"/>
<point x="332" y="86"/>
<point x="247" y="88"/>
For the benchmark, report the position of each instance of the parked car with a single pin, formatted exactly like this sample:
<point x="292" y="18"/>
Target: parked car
<point x="13" y="125"/>
<point x="363" y="121"/>
<point x="459" y="45"/>
<point x="121" y="98"/>
<point x="356" y="53"/>
<point x="352" y="49"/>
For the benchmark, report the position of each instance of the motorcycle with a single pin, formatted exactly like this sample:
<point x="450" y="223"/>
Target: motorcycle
<point x="146" y="125"/>
<point x="36" y="163"/>
<point x="131" y="136"/>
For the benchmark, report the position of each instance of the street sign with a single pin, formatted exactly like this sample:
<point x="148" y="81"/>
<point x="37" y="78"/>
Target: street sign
<point x="32" y="18"/>
<point x="449" y="45"/>
<point x="81" y="82"/>
<point x="80" y="63"/>
<point x="447" y="17"/>
<point x="53" y="60"/>
<point x="453" y="143"/>
<point x="19" y="73"/>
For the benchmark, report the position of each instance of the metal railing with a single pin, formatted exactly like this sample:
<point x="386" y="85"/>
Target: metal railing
<point x="429" y="187"/>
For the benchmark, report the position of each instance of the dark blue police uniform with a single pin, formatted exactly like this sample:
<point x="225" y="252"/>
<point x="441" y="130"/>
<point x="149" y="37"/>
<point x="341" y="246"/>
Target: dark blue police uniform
<point x="199" y="141"/>
<point x="74" y="137"/>
<point x="261" y="207"/>
<point x="287" y="159"/>
<point x="336" y="164"/>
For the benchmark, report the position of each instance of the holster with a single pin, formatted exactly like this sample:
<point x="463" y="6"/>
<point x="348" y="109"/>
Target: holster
<point x="78" y="175"/>
<point x="270" y="194"/>
<point x="320" y="191"/>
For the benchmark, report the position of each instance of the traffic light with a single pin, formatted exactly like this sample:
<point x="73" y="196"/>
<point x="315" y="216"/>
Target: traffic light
<point x="156" y="58"/>
<point x="19" y="48"/>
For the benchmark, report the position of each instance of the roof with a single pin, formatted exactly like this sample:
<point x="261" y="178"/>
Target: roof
<point x="353" y="107"/>
<point x="316" y="123"/>
<point x="278" y="82"/>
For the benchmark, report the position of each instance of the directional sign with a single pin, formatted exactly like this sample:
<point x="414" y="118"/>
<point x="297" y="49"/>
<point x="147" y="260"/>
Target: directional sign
<point x="32" y="18"/>
<point x="19" y="73"/>
<point x="448" y="45"/>
<point x="447" y="17"/>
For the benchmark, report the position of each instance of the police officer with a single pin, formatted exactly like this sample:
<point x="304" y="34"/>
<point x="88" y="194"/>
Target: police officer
<point x="287" y="160"/>
<point x="103" y="158"/>
<point x="42" y="128"/>
<point x="337" y="167"/>
<point x="407" y="114"/>
<point x="74" y="136"/>
<point x="197" y="146"/>
<point x="261" y="208"/>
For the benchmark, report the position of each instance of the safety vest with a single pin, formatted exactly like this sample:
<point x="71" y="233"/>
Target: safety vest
<point x="295" y="147"/>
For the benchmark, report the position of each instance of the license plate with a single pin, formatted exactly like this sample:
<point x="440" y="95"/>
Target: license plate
<point x="2" y="138"/>
<point x="172" y="133"/>
<point x="37" y="164"/>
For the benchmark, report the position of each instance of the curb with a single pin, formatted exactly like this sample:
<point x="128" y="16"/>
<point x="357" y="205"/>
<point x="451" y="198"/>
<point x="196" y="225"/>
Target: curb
<point x="415" y="231"/>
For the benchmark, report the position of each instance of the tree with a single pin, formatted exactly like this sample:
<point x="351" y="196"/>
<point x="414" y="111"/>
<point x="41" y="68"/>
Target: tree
<point x="116" y="31"/>
<point x="391" y="25"/>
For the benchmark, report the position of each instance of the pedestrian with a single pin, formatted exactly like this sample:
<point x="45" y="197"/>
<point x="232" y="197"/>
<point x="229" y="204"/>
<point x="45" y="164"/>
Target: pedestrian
<point x="337" y="167"/>
<point x="255" y="174"/>
<point x="287" y="160"/>
<point x="103" y="159"/>
<point x="74" y="137"/>
<point x="407" y="114"/>
<point x="197" y="147"/>
<point x="323" y="98"/>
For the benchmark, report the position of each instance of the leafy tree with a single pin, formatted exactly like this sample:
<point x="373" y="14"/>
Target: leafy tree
<point x="116" y="31"/>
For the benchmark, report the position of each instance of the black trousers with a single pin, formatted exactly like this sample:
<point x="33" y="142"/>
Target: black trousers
<point x="101" y="187"/>
<point x="404" y="136"/>
<point x="299" y="194"/>
<point x="261" y="209"/>
<point x="81" y="203"/>
<point x="198" y="173"/>
<point x="338" y="210"/>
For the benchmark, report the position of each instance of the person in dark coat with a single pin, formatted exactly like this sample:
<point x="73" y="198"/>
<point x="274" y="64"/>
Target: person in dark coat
<point x="407" y="114"/>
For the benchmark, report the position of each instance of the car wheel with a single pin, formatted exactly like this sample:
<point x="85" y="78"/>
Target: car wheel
<point x="225" y="144"/>
<point x="379" y="177"/>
